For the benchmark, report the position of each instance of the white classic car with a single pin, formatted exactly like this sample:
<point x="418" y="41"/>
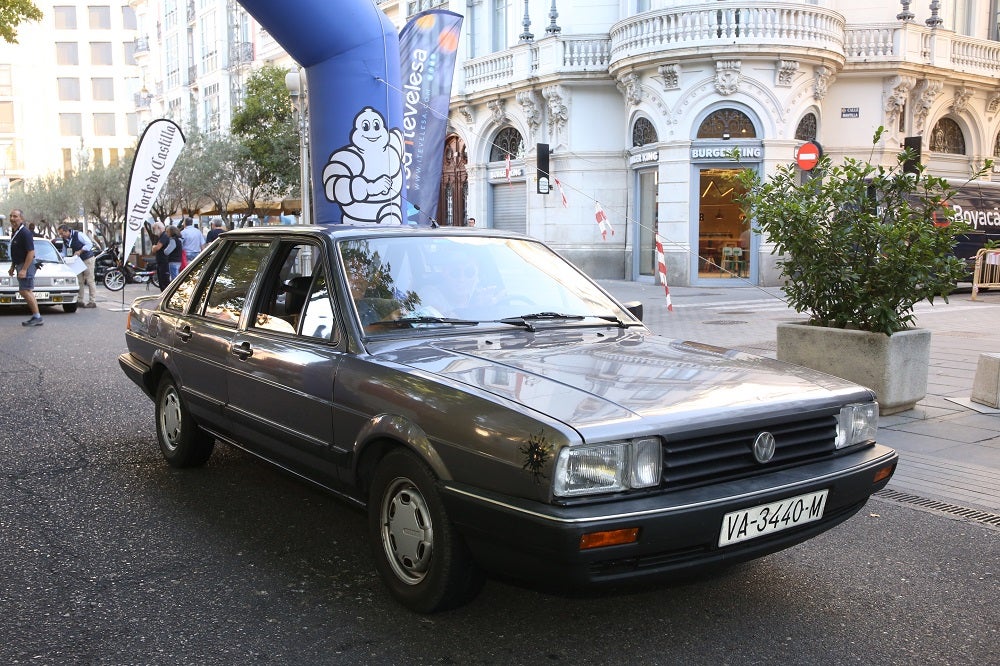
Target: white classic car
<point x="55" y="282"/>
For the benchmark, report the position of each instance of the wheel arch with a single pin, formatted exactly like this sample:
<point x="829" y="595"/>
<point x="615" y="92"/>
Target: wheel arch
<point x="384" y="433"/>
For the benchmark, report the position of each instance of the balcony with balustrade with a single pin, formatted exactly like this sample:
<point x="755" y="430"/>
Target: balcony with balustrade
<point x="728" y="30"/>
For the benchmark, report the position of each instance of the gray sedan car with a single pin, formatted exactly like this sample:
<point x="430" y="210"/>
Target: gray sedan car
<point x="494" y="410"/>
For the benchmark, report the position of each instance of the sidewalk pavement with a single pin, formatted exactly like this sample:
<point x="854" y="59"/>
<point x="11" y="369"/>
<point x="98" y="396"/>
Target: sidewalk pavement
<point x="949" y="446"/>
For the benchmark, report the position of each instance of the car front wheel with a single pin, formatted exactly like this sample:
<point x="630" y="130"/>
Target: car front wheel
<point x="421" y="558"/>
<point x="182" y="442"/>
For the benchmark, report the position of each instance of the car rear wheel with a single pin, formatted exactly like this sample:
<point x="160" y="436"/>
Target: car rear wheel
<point x="114" y="279"/>
<point x="182" y="442"/>
<point x="419" y="555"/>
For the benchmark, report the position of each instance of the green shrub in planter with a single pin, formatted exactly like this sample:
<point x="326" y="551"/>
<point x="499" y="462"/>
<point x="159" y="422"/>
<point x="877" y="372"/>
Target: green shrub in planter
<point x="860" y="244"/>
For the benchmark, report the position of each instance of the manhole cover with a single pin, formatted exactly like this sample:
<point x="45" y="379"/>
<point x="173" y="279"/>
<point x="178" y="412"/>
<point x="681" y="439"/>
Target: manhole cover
<point x="724" y="322"/>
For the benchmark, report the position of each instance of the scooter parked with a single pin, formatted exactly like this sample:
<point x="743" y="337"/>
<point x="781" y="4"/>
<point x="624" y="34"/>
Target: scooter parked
<point x="119" y="274"/>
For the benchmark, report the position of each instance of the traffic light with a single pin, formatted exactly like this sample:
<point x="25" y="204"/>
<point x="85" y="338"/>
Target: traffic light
<point x="912" y="143"/>
<point x="542" y="182"/>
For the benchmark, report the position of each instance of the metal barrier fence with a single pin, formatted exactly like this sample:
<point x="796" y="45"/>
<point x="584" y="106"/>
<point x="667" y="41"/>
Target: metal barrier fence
<point x="987" y="272"/>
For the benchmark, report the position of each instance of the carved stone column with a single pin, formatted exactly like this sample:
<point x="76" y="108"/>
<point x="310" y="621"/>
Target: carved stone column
<point x="898" y="93"/>
<point x="558" y="113"/>
<point x="532" y="109"/>
<point x="927" y="91"/>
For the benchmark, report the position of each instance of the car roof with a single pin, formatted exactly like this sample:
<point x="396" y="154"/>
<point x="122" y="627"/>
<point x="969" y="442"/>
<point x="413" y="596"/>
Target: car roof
<point x="345" y="232"/>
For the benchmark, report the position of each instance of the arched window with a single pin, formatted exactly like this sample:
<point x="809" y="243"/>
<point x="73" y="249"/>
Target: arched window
<point x="507" y="142"/>
<point x="806" y="131"/>
<point x="643" y="132"/>
<point x="727" y="124"/>
<point x="947" y="137"/>
<point x="996" y="147"/>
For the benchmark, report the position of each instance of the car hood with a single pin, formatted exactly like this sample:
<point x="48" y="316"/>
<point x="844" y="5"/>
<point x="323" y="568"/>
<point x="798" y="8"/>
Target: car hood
<point x="48" y="269"/>
<point x="587" y="378"/>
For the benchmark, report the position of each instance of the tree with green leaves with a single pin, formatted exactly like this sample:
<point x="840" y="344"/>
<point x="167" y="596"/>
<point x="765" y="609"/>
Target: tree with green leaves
<point x="264" y="126"/>
<point x="12" y="14"/>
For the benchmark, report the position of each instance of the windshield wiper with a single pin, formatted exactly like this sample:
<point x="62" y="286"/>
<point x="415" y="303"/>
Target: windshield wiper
<point x="526" y="319"/>
<point x="409" y="321"/>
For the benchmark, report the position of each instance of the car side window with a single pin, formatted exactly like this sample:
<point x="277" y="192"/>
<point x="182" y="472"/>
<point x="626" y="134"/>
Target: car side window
<point x="283" y="292"/>
<point x="185" y="290"/>
<point x="318" y="320"/>
<point x="226" y="298"/>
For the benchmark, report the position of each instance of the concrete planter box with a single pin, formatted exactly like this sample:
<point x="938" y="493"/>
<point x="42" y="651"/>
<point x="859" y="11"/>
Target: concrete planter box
<point x="895" y="366"/>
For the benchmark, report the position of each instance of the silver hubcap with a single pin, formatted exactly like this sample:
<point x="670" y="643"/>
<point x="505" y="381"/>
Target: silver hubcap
<point x="407" y="532"/>
<point x="116" y="281"/>
<point x="170" y="418"/>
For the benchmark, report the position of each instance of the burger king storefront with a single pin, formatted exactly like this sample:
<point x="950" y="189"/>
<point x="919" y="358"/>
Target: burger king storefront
<point x="726" y="245"/>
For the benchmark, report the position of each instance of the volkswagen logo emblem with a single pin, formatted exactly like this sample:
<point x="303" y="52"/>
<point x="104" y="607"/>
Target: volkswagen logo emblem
<point x="763" y="447"/>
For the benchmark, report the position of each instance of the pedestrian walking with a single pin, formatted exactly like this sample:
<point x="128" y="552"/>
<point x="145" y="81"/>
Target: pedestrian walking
<point x="22" y="262"/>
<point x="191" y="239"/>
<point x="76" y="243"/>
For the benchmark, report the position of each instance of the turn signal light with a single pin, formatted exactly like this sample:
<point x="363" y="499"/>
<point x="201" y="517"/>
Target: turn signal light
<point x="884" y="473"/>
<point x="609" y="538"/>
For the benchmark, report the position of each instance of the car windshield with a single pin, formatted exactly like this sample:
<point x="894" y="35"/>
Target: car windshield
<point x="433" y="281"/>
<point x="45" y="251"/>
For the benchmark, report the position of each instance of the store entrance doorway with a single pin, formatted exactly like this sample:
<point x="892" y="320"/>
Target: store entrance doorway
<point x="724" y="237"/>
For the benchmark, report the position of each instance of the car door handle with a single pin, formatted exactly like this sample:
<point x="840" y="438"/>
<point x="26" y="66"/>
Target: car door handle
<point x="184" y="333"/>
<point x="243" y="351"/>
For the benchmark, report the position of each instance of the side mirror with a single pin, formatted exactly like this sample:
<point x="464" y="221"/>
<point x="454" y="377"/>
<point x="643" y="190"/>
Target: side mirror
<point x="635" y="307"/>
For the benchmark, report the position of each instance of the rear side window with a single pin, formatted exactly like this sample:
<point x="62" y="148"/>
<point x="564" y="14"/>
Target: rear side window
<point x="226" y="297"/>
<point x="184" y="292"/>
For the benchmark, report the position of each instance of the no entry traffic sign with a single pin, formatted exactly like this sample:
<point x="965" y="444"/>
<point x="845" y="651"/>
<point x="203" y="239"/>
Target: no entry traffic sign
<point x="807" y="155"/>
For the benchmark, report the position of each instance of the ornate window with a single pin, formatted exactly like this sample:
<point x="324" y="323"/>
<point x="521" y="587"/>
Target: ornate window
<point x="643" y="132"/>
<point x="996" y="147"/>
<point x="947" y="137"/>
<point x="507" y="142"/>
<point x="727" y="124"/>
<point x="806" y="131"/>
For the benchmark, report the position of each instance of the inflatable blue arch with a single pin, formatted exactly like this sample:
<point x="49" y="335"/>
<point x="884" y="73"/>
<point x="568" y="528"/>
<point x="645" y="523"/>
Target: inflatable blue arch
<point x="350" y="51"/>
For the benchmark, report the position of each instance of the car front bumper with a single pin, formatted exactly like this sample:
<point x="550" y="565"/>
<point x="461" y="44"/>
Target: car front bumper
<point x="679" y="531"/>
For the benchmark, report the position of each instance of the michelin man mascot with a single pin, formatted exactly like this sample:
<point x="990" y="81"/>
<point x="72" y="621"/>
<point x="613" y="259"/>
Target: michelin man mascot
<point x="365" y="177"/>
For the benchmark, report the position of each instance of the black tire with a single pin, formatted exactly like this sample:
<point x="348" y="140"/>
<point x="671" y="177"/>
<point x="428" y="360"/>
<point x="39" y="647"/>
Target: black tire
<point x="154" y="279"/>
<point x="114" y="279"/>
<point x="426" y="566"/>
<point x="69" y="307"/>
<point x="182" y="442"/>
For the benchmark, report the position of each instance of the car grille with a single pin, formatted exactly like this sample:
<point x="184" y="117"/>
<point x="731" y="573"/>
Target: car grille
<point x="718" y="455"/>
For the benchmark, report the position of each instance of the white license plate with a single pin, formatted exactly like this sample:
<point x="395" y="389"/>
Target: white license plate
<point x="770" y="518"/>
<point x="39" y="296"/>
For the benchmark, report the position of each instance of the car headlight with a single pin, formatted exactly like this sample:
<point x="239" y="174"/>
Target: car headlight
<point x="608" y="467"/>
<point x="5" y="281"/>
<point x="63" y="281"/>
<point x="857" y="423"/>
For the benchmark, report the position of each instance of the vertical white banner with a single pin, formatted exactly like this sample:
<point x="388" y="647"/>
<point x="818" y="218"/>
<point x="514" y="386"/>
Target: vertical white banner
<point x="158" y="149"/>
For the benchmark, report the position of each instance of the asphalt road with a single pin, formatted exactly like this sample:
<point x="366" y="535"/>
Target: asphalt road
<point x="111" y="557"/>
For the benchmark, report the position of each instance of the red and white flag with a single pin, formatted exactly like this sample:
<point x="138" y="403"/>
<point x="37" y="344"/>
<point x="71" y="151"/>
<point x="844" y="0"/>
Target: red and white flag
<point x="507" y="168"/>
<point x="661" y="268"/>
<point x="602" y="222"/>
<point x="565" y="201"/>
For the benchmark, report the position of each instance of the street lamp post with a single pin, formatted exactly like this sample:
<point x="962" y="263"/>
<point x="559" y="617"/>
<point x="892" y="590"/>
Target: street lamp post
<point x="295" y="82"/>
